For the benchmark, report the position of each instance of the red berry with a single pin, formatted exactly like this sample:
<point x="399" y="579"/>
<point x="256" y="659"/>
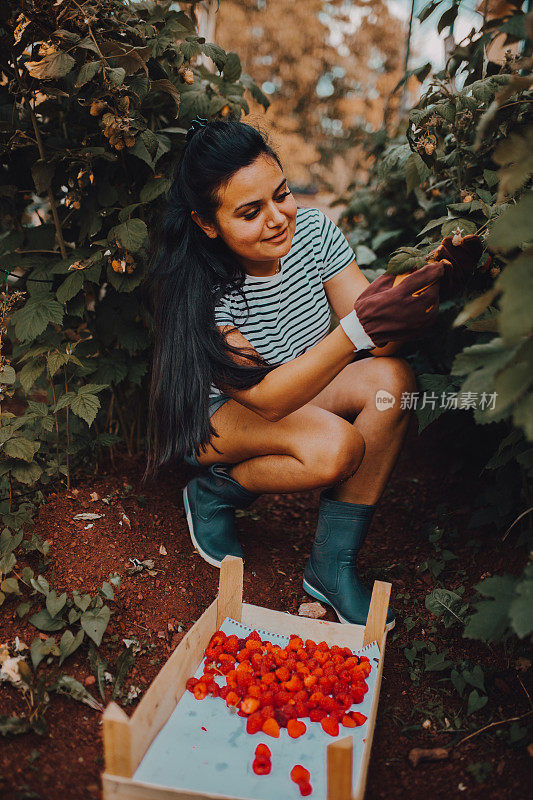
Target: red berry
<point x="330" y="725"/>
<point x="263" y="751"/>
<point x="296" y="728"/>
<point x="299" y="774"/>
<point x="261" y="766"/>
<point x="271" y="728"/>
<point x="305" y="788"/>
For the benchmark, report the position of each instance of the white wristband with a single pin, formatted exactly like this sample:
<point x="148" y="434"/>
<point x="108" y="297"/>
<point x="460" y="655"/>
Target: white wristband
<point x="355" y="331"/>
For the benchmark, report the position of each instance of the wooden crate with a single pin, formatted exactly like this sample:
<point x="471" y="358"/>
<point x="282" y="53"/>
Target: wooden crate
<point x="126" y="739"/>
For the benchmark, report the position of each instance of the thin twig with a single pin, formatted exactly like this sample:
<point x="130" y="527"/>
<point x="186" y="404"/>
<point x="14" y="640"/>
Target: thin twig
<point x="493" y="725"/>
<point x="511" y="526"/>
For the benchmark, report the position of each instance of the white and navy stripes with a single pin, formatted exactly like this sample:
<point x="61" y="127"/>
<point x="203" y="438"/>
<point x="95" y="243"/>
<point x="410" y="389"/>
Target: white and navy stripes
<point x="289" y="311"/>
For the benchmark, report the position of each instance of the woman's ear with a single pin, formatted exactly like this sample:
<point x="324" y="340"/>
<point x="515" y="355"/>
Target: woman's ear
<point x="210" y="230"/>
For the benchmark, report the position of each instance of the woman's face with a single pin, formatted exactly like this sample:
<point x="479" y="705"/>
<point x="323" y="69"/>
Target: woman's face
<point x="256" y="205"/>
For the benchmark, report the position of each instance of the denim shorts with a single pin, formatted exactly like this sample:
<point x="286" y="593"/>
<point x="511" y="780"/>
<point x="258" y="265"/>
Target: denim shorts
<point x="214" y="404"/>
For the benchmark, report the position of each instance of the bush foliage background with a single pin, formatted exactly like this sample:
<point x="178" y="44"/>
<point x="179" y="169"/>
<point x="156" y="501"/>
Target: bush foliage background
<point x="465" y="165"/>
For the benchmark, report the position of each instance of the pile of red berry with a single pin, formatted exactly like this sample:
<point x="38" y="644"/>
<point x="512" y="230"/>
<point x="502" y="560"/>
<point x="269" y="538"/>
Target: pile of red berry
<point x="275" y="686"/>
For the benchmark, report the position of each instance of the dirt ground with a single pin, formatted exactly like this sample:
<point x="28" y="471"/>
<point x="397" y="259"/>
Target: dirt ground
<point x="276" y="537"/>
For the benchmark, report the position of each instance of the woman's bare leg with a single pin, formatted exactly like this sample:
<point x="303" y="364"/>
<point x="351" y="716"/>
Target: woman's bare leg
<point x="382" y="430"/>
<point x="308" y="449"/>
<point x="320" y="444"/>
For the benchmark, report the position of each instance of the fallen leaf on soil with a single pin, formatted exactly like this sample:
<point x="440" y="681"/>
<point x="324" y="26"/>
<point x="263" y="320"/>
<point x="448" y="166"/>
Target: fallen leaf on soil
<point x="124" y="519"/>
<point x="88" y="516"/>
<point x="418" y="754"/>
<point x="94" y="496"/>
<point x="312" y="610"/>
<point x="162" y="550"/>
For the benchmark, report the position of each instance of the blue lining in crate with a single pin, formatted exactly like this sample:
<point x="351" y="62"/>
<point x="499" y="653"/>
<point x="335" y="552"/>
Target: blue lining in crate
<point x="204" y="746"/>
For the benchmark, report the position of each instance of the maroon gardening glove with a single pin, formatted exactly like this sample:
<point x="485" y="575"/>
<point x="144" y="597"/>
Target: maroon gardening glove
<point x="385" y="312"/>
<point x="461" y="258"/>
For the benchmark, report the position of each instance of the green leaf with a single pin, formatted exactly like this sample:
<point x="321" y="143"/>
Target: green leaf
<point x="521" y="610"/>
<point x="153" y="188"/>
<point x="69" y="643"/>
<point x="513" y="226"/>
<point x="40" y="584"/>
<point x="22" y="609"/>
<point x="31" y="320"/>
<point x="516" y="283"/>
<point x="81" y="601"/>
<point x="107" y="591"/>
<point x="130" y="234"/>
<point x="466" y="226"/>
<point x="475" y="677"/>
<point x="44" y="622"/>
<point x="68" y="685"/>
<point x="85" y="406"/>
<point x="124" y="663"/>
<point x="436" y="662"/>
<point x="71" y="286"/>
<point x="54" y="65"/>
<point x="95" y="622"/>
<point x="40" y="650"/>
<point x="19" y="447"/>
<point x="405" y="259"/>
<point x="215" y="53"/>
<point x="232" y="68"/>
<point x="490" y="621"/>
<point x="447" y="603"/>
<point x="26" y="473"/>
<point x="476" y="702"/>
<point x="87" y="72"/>
<point x="29" y="374"/>
<point x="10" y="586"/>
<point x="8" y="375"/>
<point x="116" y="75"/>
<point x="55" y="604"/>
<point x="99" y="667"/>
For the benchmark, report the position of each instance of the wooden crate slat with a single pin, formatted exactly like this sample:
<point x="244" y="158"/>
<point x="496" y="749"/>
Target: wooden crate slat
<point x="229" y="602"/>
<point x="117" y="738"/>
<point x="278" y="622"/>
<point x="377" y="613"/>
<point x="339" y="766"/>
<point x="117" y="788"/>
<point x="371" y="722"/>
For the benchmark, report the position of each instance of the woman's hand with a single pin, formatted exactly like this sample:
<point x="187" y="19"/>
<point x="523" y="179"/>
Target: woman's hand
<point x="386" y="313"/>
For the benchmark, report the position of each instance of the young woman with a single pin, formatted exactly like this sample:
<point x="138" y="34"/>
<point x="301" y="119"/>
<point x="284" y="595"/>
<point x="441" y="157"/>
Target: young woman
<point x="248" y="383"/>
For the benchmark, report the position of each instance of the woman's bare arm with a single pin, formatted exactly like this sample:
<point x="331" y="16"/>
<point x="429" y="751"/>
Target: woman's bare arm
<point x="343" y="290"/>
<point x="291" y="385"/>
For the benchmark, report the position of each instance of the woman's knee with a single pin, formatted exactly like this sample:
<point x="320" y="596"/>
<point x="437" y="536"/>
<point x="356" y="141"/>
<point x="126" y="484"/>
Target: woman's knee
<point x="337" y="455"/>
<point x="393" y="375"/>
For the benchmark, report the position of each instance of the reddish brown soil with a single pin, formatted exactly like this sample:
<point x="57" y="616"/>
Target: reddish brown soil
<point x="67" y="763"/>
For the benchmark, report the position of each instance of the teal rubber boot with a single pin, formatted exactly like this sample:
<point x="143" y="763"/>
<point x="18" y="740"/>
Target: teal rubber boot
<point x="210" y="501"/>
<point x="330" y="574"/>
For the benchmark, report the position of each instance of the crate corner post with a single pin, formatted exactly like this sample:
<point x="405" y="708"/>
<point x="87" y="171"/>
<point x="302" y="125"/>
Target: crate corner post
<point x="229" y="601"/>
<point x="339" y="769"/>
<point x="377" y="613"/>
<point x="117" y="741"/>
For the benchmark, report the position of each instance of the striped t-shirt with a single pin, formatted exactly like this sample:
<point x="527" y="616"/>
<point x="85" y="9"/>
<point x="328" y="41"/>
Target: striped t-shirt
<point x="289" y="311"/>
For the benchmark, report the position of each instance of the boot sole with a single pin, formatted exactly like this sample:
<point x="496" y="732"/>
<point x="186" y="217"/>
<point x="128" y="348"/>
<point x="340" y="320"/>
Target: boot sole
<point x="202" y="553"/>
<point x="323" y="599"/>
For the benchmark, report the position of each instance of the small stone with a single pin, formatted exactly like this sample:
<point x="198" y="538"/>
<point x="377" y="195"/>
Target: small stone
<point x="90" y="680"/>
<point x="426" y="724"/>
<point x="312" y="610"/>
<point x="162" y="550"/>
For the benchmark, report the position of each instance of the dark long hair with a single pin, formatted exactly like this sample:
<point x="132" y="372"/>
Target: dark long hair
<point x="189" y="274"/>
